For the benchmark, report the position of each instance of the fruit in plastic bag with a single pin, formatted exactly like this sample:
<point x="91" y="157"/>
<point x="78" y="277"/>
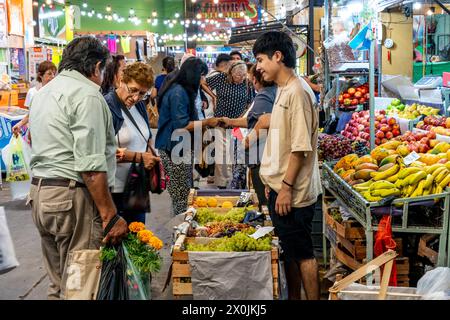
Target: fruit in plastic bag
<point x="16" y="167"/>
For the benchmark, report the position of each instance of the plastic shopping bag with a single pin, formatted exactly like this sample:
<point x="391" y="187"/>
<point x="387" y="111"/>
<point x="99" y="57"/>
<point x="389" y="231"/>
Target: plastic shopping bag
<point x="16" y="156"/>
<point x="8" y="259"/>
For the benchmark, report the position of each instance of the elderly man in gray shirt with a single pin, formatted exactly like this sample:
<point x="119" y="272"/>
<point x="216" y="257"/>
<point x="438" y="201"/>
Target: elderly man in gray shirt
<point x="73" y="161"/>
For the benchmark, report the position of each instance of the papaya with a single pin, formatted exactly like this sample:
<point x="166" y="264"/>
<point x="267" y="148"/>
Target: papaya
<point x="441" y="147"/>
<point x="365" y="159"/>
<point x="385" y="167"/>
<point x="363" y="174"/>
<point x="428" y="158"/>
<point x="349" y="177"/>
<point x="389" y="159"/>
<point x="201" y="202"/>
<point x="403" y="150"/>
<point x="353" y="182"/>
<point x="391" y="145"/>
<point x="347" y="162"/>
<point x="366" y="165"/>
<point x="379" y="153"/>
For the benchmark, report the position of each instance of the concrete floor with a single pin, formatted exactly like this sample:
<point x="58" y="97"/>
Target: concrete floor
<point x="29" y="280"/>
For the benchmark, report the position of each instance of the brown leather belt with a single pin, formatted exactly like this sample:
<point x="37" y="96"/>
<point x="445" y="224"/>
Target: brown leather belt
<point x="55" y="182"/>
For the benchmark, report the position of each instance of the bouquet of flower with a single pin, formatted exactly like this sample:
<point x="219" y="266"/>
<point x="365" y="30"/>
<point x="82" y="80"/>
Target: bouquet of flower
<point x="141" y="258"/>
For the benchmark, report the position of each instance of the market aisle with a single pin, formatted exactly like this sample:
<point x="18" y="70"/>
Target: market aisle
<point x="29" y="280"/>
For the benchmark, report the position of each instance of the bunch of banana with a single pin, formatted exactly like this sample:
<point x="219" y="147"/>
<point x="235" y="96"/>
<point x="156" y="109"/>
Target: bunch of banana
<point x="390" y="170"/>
<point x="377" y="190"/>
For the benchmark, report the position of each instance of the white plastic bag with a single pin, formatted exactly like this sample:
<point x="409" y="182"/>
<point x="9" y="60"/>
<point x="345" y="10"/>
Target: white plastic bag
<point x="435" y="284"/>
<point x="8" y="259"/>
<point x="19" y="189"/>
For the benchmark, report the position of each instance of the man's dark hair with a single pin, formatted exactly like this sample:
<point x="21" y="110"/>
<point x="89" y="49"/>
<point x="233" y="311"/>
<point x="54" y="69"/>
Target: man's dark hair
<point x="112" y="67"/>
<point x="188" y="77"/>
<point x="273" y="41"/>
<point x="82" y="54"/>
<point x="168" y="64"/>
<point x="223" y="57"/>
<point x="232" y="53"/>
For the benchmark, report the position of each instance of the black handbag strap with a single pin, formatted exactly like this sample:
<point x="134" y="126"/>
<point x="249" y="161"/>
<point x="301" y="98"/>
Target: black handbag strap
<point x="129" y="115"/>
<point x="110" y="225"/>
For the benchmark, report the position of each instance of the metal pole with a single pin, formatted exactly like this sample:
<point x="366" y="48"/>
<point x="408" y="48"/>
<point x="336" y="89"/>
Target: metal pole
<point x="310" y="55"/>
<point x="372" y="91"/>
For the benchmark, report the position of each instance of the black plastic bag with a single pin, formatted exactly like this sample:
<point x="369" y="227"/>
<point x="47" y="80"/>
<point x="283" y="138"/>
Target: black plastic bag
<point x="113" y="279"/>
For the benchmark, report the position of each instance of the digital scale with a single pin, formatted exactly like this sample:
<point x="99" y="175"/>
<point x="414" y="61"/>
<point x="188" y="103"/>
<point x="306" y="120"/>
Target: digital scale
<point x="428" y="82"/>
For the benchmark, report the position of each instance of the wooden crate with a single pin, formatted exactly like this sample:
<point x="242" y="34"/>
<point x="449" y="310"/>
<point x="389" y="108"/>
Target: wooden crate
<point x="181" y="270"/>
<point x="194" y="194"/>
<point x="425" y="251"/>
<point x="350" y="230"/>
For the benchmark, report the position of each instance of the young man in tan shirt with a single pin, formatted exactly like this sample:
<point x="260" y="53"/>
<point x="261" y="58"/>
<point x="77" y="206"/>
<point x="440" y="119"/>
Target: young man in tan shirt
<point x="289" y="167"/>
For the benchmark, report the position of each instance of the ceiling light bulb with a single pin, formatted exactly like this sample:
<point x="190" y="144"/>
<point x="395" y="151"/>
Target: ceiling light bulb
<point x="108" y="8"/>
<point x="85" y="5"/>
<point x="154" y="13"/>
<point x="131" y="11"/>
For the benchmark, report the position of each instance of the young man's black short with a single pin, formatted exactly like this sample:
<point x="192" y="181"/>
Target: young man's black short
<point x="293" y="230"/>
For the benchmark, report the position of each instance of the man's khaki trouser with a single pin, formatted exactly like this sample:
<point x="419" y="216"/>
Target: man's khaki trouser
<point x="67" y="219"/>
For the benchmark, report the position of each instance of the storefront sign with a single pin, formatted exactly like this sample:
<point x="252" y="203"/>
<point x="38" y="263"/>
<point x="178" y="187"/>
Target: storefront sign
<point x="36" y="56"/>
<point x="3" y="24"/>
<point x="52" y="22"/>
<point x="227" y="9"/>
<point x="15" y="17"/>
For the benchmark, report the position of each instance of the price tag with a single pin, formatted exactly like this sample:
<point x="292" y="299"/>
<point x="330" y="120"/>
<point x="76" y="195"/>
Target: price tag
<point x="413" y="156"/>
<point x="261" y="232"/>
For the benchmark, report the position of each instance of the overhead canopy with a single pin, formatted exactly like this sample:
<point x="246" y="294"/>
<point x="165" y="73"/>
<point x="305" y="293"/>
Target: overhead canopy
<point x="253" y="31"/>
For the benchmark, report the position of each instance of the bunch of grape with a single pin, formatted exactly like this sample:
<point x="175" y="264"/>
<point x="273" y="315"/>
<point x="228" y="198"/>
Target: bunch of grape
<point x="222" y="229"/>
<point x="235" y="215"/>
<point x="239" y="242"/>
<point x="360" y="148"/>
<point x="332" y="147"/>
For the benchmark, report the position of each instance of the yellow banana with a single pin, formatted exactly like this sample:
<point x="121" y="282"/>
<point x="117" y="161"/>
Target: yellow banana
<point x="364" y="184"/>
<point x="428" y="181"/>
<point x="438" y="190"/>
<point x="408" y="171"/>
<point x="438" y="171"/>
<point x="447" y="165"/>
<point x="399" y="183"/>
<point x="370" y="198"/>
<point x="419" y="190"/>
<point x="383" y="184"/>
<point x="362" y="189"/>
<point x="434" y="167"/>
<point x="387" y="173"/>
<point x="445" y="181"/>
<point x="441" y="176"/>
<point x="385" y="192"/>
<point x="393" y="178"/>
<point x="410" y="189"/>
<point x="426" y="192"/>
<point x="416" y="177"/>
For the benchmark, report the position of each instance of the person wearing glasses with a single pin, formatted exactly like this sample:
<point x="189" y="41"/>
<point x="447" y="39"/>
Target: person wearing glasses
<point x="46" y="73"/>
<point x="134" y="88"/>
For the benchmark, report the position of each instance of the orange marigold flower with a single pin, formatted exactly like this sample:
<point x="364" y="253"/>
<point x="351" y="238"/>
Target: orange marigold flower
<point x="145" y="235"/>
<point x="155" y="243"/>
<point x="136" y="227"/>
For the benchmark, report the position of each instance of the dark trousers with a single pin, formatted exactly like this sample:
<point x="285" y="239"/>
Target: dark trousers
<point x="128" y="216"/>
<point x="258" y="185"/>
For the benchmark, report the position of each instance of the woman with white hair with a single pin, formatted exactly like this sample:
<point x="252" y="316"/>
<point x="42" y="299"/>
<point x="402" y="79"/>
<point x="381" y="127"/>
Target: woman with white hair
<point x="234" y="94"/>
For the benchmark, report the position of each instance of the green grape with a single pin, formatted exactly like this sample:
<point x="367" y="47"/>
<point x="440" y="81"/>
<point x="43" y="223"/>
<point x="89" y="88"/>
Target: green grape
<point x="239" y="242"/>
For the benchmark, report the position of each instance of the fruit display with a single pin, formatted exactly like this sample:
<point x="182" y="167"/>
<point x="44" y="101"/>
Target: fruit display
<point x="235" y="215"/>
<point x="436" y="124"/>
<point x="211" y="202"/>
<point x="416" y="141"/>
<point x="409" y="111"/>
<point x="332" y="147"/>
<point x="239" y="242"/>
<point x="354" y="96"/>
<point x="384" y="173"/>
<point x="219" y="229"/>
<point x="358" y="128"/>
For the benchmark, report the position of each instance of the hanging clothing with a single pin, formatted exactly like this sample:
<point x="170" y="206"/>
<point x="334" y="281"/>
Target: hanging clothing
<point x="112" y="44"/>
<point x="125" y="43"/>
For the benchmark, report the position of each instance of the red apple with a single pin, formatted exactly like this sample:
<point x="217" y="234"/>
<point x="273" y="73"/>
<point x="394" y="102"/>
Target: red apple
<point x="377" y="141"/>
<point x="341" y="98"/>
<point x="358" y="94"/>
<point x="396" y="132"/>
<point x="351" y="91"/>
<point x="392" y="121"/>
<point x="363" y="90"/>
<point x="379" y="134"/>
<point x="383" y="112"/>
<point x="384" y="128"/>
<point x="384" y="121"/>
<point x="362" y="100"/>
<point x="384" y="140"/>
<point x="355" y="102"/>
<point x="346" y="96"/>
<point x="347" y="102"/>
<point x="431" y="135"/>
<point x="389" y="135"/>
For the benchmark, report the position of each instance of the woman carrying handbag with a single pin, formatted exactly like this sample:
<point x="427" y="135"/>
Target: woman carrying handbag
<point x="135" y="157"/>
